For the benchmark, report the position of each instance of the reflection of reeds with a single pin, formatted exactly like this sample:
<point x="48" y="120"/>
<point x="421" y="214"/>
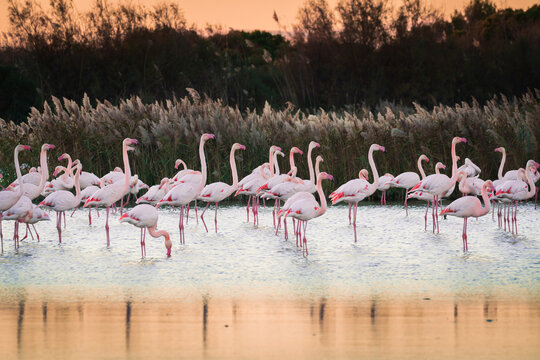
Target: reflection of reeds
<point x="171" y="130"/>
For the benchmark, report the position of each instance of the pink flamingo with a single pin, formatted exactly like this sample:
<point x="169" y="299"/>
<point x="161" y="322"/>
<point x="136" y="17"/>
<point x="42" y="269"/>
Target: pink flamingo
<point x="184" y="193"/>
<point x="420" y="195"/>
<point x="155" y="193"/>
<point x="110" y="194"/>
<point x="31" y="190"/>
<point x="307" y="208"/>
<point x="408" y="179"/>
<point x="10" y="198"/>
<point x="517" y="190"/>
<point x="470" y="169"/>
<point x="470" y="185"/>
<point x="250" y="184"/>
<point x="219" y="191"/>
<point x="294" y="193"/>
<point x="37" y="216"/>
<point x="63" y="200"/>
<point x="357" y="190"/>
<point x="145" y="216"/>
<point x="362" y="175"/>
<point x="439" y="184"/>
<point x="185" y="171"/>
<point x="384" y="185"/>
<point x="20" y="212"/>
<point x="469" y="206"/>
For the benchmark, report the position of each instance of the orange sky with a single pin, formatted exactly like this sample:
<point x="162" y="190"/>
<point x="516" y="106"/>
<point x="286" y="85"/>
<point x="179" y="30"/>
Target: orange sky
<point x="251" y="14"/>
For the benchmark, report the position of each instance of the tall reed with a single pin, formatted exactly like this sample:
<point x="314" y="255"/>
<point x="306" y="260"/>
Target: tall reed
<point x="171" y="130"/>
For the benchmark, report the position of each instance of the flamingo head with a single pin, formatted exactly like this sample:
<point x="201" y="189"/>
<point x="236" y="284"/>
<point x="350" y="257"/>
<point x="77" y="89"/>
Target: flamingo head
<point x="177" y="163"/>
<point x="238" y="146"/>
<point x="205" y="137"/>
<point x="46" y="147"/>
<point x="278" y="152"/>
<point x="533" y="165"/>
<point x="314" y="144"/>
<point x="499" y="149"/>
<point x="128" y="141"/>
<point x="57" y="170"/>
<point x="440" y="165"/>
<point x="489" y="186"/>
<point x="63" y="156"/>
<point x="326" y="176"/>
<point x="274" y="148"/>
<point x="168" y="243"/>
<point x="461" y="175"/>
<point x="23" y="147"/>
<point x="296" y="150"/>
<point x="458" y="140"/>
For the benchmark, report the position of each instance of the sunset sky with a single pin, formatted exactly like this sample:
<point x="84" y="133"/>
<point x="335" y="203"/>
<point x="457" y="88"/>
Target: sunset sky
<point x="251" y="14"/>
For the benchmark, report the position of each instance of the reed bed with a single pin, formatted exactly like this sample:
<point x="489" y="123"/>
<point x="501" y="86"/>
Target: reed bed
<point x="171" y="130"/>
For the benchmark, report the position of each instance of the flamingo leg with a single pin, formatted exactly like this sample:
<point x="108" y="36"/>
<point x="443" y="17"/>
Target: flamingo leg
<point x="90" y="215"/>
<point x="16" y="235"/>
<point x="464" y="236"/>
<point x="512" y="215"/>
<point x="406" y="210"/>
<point x="142" y="251"/>
<point x="196" y="218"/>
<point x="215" y="217"/>
<point x="64" y="216"/>
<point x="97" y="211"/>
<point x="202" y="216"/>
<point x="247" y="208"/>
<point x="305" y="239"/>
<point x="1" y="234"/>
<point x="187" y="214"/>
<point x="274" y="213"/>
<point x="299" y="234"/>
<point x="59" y="226"/>
<point x="26" y="234"/>
<point x="285" y="226"/>
<point x="515" y="217"/>
<point x="425" y="216"/>
<point x="107" y="227"/>
<point x="37" y="235"/>
<point x="535" y="198"/>
<point x="73" y="211"/>
<point x="433" y="209"/>
<point x="350" y="206"/>
<point x="492" y="209"/>
<point x="354" y="221"/>
<point x="181" y="223"/>
<point x="436" y="210"/>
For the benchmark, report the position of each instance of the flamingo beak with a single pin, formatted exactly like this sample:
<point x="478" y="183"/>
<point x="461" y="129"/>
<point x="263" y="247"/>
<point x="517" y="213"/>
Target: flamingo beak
<point x="242" y="147"/>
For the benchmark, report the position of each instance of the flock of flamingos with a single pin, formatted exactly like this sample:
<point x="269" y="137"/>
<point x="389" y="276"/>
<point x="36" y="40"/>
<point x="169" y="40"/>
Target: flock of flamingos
<point x="264" y="182"/>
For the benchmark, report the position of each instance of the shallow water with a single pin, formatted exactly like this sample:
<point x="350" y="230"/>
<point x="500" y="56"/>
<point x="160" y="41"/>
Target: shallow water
<point x="394" y="255"/>
<point x="247" y="293"/>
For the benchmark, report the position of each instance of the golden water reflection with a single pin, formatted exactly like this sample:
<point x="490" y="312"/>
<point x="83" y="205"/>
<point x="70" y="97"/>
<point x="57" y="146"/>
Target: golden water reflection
<point x="247" y="329"/>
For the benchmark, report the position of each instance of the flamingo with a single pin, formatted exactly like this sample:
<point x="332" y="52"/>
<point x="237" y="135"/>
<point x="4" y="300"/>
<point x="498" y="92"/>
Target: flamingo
<point x="20" y="212"/>
<point x="37" y="216"/>
<point x="113" y="176"/>
<point x="439" y="184"/>
<point x="63" y="200"/>
<point x="470" y="169"/>
<point x="517" y="190"/>
<point x="425" y="196"/>
<point x="296" y="194"/>
<point x="384" y="185"/>
<point x="362" y="175"/>
<point x="32" y="177"/>
<point x="110" y="194"/>
<point x="470" y="185"/>
<point x="185" y="171"/>
<point x="469" y="206"/>
<point x="31" y="190"/>
<point x="145" y="216"/>
<point x="184" y="193"/>
<point x="408" y="179"/>
<point x="250" y="184"/>
<point x="307" y="208"/>
<point x="357" y="190"/>
<point x="9" y="198"/>
<point x="155" y="193"/>
<point x="219" y="191"/>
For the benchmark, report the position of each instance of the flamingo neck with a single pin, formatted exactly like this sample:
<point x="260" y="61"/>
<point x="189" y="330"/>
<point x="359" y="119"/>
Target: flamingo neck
<point x="454" y="163"/>
<point x="203" y="164"/>
<point x="44" y="170"/>
<point x="375" y="183"/>
<point x="127" y="169"/>
<point x="322" y="208"/>
<point x="157" y="233"/>
<point x="532" y="186"/>
<point x="291" y="160"/>
<point x="271" y="161"/>
<point x="487" y="203"/>
<point x="18" y="170"/>
<point x="70" y="164"/>
<point x="310" y="166"/>
<point x="437" y="169"/>
<point x="317" y="171"/>
<point x="78" y="194"/>
<point x="261" y="172"/>
<point x="232" y="161"/>
<point x="275" y="165"/>
<point x="420" y="168"/>
<point x="503" y="160"/>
